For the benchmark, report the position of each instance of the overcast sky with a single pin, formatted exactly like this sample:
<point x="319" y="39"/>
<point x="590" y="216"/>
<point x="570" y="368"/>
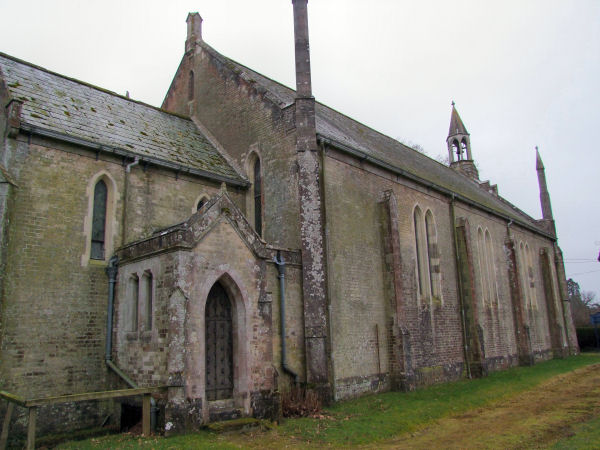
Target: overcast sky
<point x="522" y="73"/>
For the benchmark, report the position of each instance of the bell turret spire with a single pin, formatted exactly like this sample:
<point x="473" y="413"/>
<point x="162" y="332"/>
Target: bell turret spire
<point x="544" y="195"/>
<point x="459" y="146"/>
<point x="457" y="127"/>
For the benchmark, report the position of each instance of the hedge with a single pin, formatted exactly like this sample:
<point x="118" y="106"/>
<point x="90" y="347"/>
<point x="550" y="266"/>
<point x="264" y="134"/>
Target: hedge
<point x="586" y="337"/>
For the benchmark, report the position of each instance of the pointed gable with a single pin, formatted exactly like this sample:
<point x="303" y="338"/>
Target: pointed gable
<point x="188" y="234"/>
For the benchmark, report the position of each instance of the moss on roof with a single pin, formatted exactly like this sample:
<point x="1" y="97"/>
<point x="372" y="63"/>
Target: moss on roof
<point x="70" y="107"/>
<point x="344" y="130"/>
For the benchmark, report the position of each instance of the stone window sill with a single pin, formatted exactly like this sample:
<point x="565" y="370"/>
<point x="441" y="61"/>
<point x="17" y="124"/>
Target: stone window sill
<point x="131" y="336"/>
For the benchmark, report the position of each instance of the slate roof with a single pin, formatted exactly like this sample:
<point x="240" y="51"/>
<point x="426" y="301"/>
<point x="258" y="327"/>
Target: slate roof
<point x="69" y="107"/>
<point x="335" y="126"/>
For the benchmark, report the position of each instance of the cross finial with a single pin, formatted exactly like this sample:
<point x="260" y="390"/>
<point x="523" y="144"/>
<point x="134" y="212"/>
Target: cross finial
<point x="453" y="103"/>
<point x="536" y="148"/>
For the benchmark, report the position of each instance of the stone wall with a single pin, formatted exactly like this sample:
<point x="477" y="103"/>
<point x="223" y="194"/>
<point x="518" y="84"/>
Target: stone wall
<point x="244" y="120"/>
<point x="426" y="343"/>
<point x="495" y="319"/>
<point x="173" y="351"/>
<point x="362" y="306"/>
<point x="55" y="297"/>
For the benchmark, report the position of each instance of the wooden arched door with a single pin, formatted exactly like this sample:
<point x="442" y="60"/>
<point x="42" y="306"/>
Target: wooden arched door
<point x="219" y="345"/>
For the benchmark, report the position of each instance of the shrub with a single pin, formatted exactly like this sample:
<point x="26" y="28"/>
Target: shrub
<point x="586" y="337"/>
<point x="300" y="402"/>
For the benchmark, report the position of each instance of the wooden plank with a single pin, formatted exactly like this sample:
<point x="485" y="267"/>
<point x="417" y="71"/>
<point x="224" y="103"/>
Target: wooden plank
<point x="5" y="425"/>
<point x="93" y="396"/>
<point x="12" y="398"/>
<point x="31" y="429"/>
<point x="146" y="415"/>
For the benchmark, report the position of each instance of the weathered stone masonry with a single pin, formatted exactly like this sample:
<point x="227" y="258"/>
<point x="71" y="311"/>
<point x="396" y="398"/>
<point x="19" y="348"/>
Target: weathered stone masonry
<point x="399" y="271"/>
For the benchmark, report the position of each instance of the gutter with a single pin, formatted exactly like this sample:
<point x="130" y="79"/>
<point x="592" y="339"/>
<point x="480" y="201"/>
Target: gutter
<point x="280" y="263"/>
<point x="112" y="271"/>
<point x="362" y="156"/>
<point x="178" y="168"/>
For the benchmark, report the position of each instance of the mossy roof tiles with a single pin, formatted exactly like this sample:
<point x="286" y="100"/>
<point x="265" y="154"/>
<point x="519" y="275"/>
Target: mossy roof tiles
<point x="69" y="107"/>
<point x="337" y="127"/>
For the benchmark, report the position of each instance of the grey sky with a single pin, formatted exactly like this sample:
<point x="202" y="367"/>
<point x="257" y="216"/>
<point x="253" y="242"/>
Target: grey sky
<point x="522" y="73"/>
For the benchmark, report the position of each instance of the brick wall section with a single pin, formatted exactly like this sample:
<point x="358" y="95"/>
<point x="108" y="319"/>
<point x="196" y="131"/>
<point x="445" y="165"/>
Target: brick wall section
<point x="54" y="307"/>
<point x="242" y="119"/>
<point x="469" y="303"/>
<point x="495" y="317"/>
<point x="562" y="288"/>
<point x="174" y="351"/>
<point x="360" y="300"/>
<point x="362" y="292"/>
<point x="536" y="316"/>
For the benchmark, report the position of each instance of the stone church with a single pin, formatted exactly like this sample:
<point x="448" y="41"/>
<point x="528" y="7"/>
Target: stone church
<point x="244" y="238"/>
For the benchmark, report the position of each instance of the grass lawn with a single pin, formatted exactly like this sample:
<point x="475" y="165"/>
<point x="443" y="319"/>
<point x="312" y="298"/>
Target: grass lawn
<point x="392" y="418"/>
<point x="585" y="436"/>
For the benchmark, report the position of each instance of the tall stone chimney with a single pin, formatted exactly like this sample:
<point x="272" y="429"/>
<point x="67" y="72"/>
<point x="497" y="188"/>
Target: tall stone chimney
<point x="194" y="30"/>
<point x="314" y="271"/>
<point x="305" y="102"/>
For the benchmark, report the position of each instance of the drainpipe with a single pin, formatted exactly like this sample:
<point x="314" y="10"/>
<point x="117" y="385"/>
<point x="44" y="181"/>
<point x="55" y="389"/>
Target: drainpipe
<point x="112" y="271"/>
<point x="460" y="290"/>
<point x="280" y="263"/>
<point x="135" y="162"/>
<point x="128" y="167"/>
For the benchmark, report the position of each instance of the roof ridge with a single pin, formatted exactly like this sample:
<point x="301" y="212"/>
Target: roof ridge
<point x="261" y="80"/>
<point x="90" y="85"/>
<point x="220" y="55"/>
<point x="224" y="59"/>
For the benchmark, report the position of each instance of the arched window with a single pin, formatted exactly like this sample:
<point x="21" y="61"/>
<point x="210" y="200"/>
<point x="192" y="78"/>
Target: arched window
<point x="257" y="198"/>
<point x="531" y="278"/>
<point x="523" y="274"/>
<point x="200" y="204"/>
<point x="491" y="268"/>
<point x="427" y="256"/>
<point x="484" y="273"/>
<point x="420" y="252"/>
<point x="433" y="257"/>
<point x="99" y="221"/>
<point x="457" y="149"/>
<point x="463" y="149"/>
<point x="133" y="303"/>
<point x="147" y="299"/>
<point x="191" y="85"/>
<point x="255" y="195"/>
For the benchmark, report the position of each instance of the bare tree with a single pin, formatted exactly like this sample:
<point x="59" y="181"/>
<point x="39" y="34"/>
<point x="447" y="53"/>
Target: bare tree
<point x="583" y="303"/>
<point x="588" y="298"/>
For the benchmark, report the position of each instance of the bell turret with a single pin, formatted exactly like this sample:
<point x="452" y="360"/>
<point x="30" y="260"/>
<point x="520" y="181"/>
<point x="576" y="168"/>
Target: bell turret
<point x="459" y="147"/>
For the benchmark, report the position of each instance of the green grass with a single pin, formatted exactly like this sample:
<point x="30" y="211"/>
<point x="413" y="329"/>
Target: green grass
<point x="586" y="436"/>
<point x="394" y="413"/>
<point x="374" y="418"/>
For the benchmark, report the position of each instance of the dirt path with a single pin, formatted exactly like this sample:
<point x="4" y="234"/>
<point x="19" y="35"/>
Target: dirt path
<point x="534" y="419"/>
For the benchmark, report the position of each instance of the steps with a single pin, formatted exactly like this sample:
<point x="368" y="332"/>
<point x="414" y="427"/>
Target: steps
<point x="226" y="418"/>
<point x="241" y="425"/>
<point x="221" y="410"/>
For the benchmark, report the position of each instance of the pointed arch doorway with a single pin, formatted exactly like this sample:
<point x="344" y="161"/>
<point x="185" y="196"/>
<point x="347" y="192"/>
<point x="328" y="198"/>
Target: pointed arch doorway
<point x="219" y="345"/>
